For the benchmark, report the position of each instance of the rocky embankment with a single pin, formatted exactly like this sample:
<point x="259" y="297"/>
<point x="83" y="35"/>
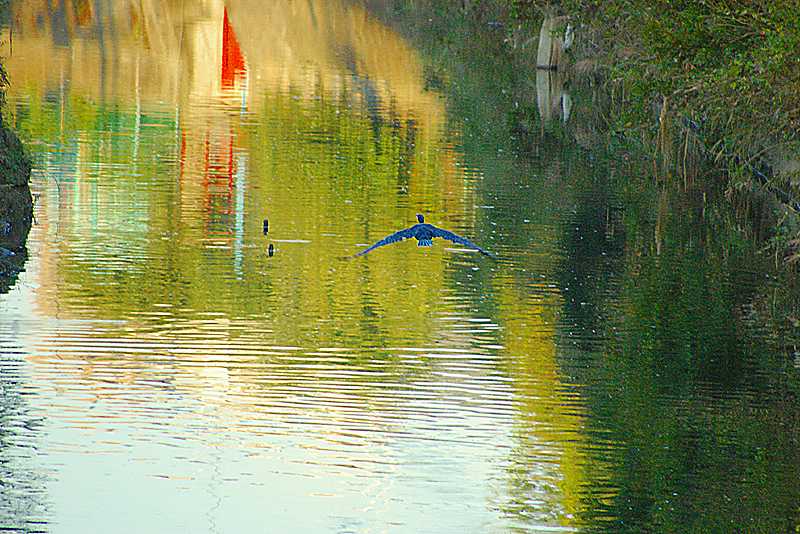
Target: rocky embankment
<point x="16" y="206"/>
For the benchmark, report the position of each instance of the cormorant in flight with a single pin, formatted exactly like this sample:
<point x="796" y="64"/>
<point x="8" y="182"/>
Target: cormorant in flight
<point x="425" y="232"/>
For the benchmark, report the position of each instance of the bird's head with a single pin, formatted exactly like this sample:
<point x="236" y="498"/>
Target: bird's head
<point x="420" y="218"/>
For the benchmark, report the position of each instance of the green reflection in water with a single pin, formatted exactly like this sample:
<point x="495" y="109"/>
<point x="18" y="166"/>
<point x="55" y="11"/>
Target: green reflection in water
<point x="605" y="374"/>
<point x="692" y="391"/>
<point x="150" y="221"/>
<point x="672" y="326"/>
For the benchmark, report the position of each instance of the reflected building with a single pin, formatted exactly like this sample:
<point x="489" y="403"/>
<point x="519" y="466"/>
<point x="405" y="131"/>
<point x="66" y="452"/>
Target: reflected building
<point x="196" y="68"/>
<point x="175" y="132"/>
<point x="154" y="163"/>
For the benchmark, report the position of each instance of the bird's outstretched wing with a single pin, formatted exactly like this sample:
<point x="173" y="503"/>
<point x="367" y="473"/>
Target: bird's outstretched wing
<point x="389" y="239"/>
<point x="455" y="238"/>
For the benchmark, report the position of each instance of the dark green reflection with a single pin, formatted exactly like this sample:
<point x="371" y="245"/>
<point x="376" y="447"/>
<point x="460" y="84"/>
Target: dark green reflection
<point x="673" y="327"/>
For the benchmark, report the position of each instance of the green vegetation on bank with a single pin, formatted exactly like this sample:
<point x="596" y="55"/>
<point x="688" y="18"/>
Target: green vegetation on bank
<point x="15" y="167"/>
<point x="713" y="83"/>
<point x="733" y="64"/>
<point x="729" y="70"/>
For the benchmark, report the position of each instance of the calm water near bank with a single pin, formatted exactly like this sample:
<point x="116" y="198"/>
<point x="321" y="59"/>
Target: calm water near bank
<point x="614" y="369"/>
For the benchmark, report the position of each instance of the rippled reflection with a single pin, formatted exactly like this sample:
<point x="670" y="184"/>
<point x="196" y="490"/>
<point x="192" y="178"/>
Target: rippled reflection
<point x="167" y="349"/>
<point x="154" y="344"/>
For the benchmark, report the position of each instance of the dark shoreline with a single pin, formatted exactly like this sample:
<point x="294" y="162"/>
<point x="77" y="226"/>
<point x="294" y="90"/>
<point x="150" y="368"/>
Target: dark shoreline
<point x="16" y="207"/>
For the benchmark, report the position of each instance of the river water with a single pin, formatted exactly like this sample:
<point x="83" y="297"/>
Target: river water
<point x="614" y="369"/>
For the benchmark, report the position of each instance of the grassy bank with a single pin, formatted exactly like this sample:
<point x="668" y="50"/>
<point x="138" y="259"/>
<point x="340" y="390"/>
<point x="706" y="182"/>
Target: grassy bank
<point x="672" y="197"/>
<point x="730" y="65"/>
<point x="706" y="90"/>
<point x="724" y="74"/>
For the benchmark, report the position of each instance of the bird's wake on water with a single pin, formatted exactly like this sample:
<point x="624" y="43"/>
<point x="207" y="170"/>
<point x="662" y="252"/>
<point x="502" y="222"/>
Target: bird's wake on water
<point x="424" y="233"/>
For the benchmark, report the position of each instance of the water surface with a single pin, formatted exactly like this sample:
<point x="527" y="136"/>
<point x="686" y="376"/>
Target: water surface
<point x="161" y="373"/>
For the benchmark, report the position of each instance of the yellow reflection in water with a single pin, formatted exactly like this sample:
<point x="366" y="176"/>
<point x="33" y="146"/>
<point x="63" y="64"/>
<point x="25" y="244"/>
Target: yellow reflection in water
<point x="549" y="456"/>
<point x="165" y="142"/>
<point x="310" y="114"/>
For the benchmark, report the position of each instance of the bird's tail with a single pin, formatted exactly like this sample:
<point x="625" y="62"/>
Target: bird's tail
<point x="425" y="243"/>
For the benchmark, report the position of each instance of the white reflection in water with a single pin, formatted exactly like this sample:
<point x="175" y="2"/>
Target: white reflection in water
<point x="182" y="380"/>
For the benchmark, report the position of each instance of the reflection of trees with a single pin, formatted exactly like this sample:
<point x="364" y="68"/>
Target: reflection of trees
<point x="690" y="401"/>
<point x="157" y="207"/>
<point x="332" y="153"/>
<point x="681" y="384"/>
<point x="683" y="457"/>
<point x="531" y="180"/>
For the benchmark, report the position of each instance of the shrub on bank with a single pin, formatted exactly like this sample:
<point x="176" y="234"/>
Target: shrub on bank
<point x="732" y="66"/>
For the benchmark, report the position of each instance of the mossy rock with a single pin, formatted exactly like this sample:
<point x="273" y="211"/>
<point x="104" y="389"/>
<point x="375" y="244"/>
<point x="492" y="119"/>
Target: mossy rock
<point x="15" y="166"/>
<point x="16" y="208"/>
<point x="16" y="216"/>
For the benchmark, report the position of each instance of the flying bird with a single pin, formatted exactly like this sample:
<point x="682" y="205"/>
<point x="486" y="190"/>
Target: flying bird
<point x="425" y="233"/>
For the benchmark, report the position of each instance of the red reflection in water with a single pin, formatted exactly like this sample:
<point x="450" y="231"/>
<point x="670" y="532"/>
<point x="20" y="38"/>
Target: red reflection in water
<point x="232" y="58"/>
